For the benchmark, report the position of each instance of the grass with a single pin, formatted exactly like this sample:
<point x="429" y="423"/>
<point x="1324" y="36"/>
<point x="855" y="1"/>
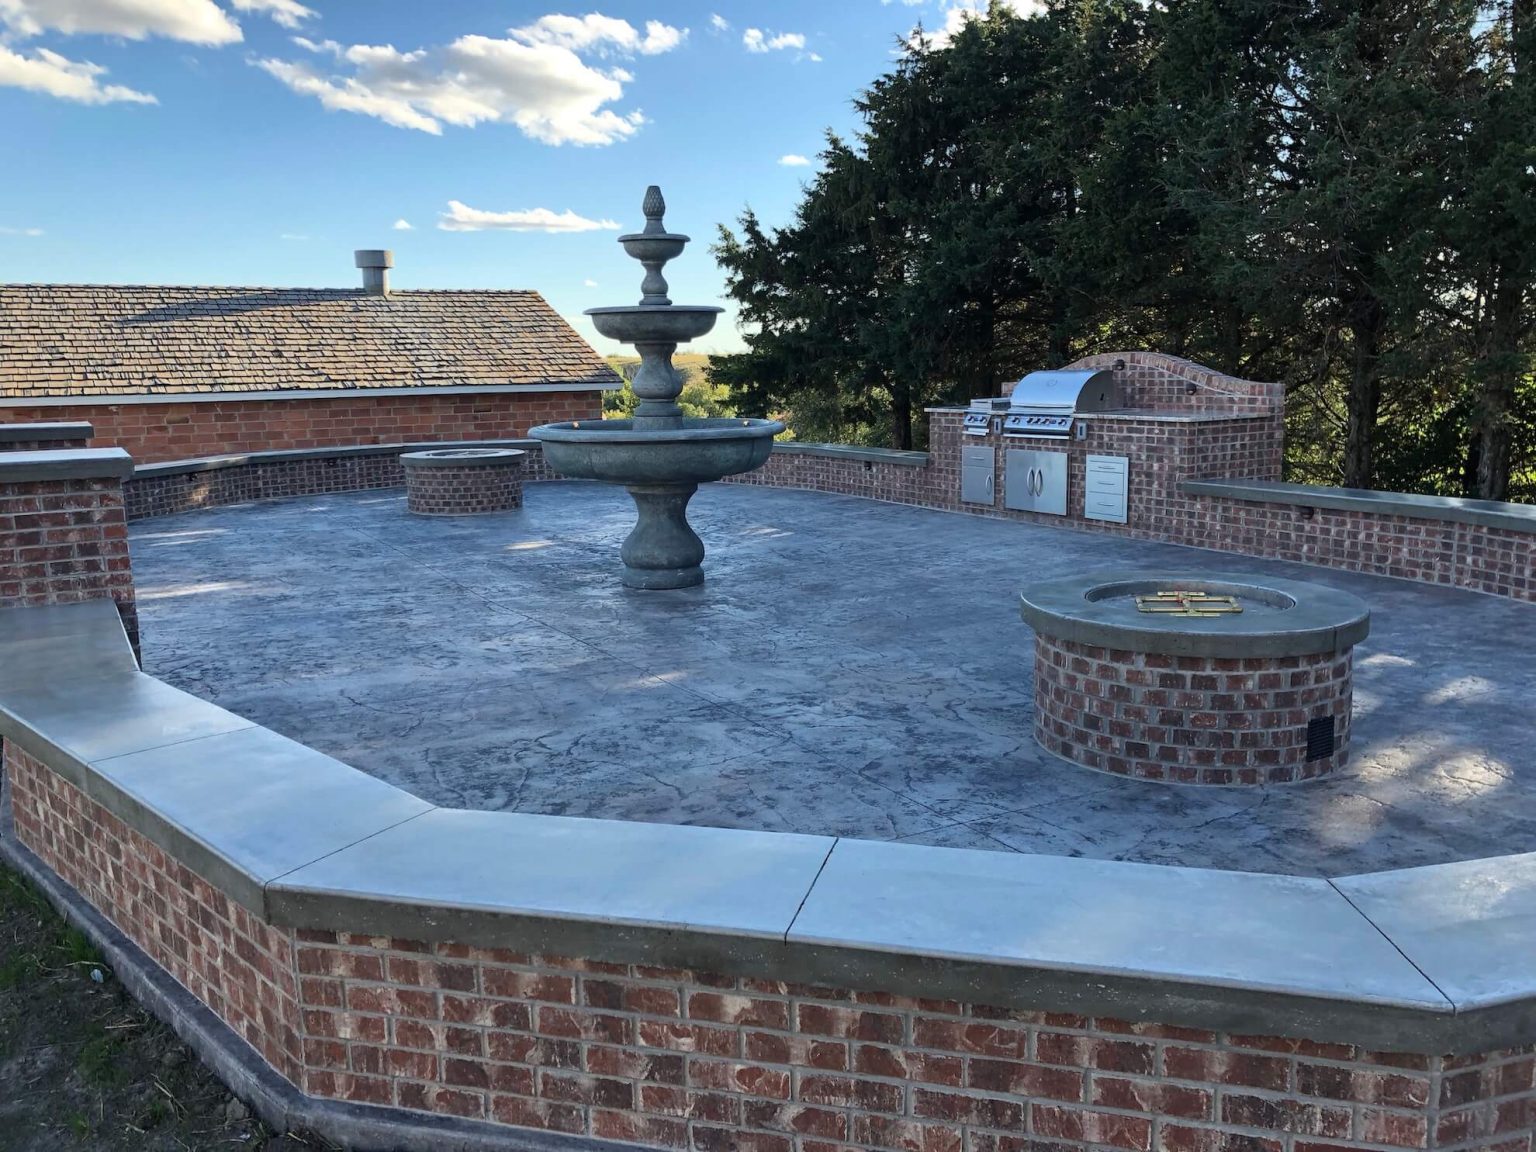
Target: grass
<point x="82" y="1066"/>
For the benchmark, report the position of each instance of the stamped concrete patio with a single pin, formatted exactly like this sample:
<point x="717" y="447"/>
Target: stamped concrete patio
<point x="851" y="668"/>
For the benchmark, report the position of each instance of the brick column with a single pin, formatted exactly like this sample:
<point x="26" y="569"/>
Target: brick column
<point x="63" y="530"/>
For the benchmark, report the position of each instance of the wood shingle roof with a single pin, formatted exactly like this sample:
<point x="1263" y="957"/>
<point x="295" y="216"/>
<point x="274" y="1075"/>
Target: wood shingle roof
<point x="96" y="340"/>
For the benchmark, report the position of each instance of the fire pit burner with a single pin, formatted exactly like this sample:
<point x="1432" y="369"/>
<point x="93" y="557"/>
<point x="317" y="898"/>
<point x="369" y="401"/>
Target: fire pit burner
<point x="1183" y="603"/>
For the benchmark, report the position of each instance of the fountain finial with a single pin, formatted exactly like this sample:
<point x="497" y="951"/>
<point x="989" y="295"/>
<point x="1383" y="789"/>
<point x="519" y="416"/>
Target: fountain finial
<point x="653" y="247"/>
<point x="654" y="208"/>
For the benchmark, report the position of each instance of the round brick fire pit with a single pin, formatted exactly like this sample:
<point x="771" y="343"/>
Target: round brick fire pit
<point x="463" y="481"/>
<point x="1195" y="680"/>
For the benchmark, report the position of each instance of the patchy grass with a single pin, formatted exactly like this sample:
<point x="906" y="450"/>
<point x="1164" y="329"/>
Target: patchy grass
<point x="84" y="1067"/>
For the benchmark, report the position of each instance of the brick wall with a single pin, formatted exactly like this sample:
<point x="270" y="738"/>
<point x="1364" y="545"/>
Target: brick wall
<point x="670" y="1058"/>
<point x="1169" y="384"/>
<point x="1190" y="719"/>
<point x="179" y="431"/>
<point x="66" y="541"/>
<point x="240" y="482"/>
<point x="238" y="966"/>
<point x="1486" y="559"/>
<point x="469" y="490"/>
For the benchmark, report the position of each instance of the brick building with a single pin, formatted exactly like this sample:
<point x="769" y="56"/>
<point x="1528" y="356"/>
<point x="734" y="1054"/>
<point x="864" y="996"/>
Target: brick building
<point x="176" y="372"/>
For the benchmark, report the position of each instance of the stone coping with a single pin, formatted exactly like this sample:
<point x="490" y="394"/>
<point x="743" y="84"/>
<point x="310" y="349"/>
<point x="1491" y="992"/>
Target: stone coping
<point x="72" y="430"/>
<point x="852" y="452"/>
<point x="1320" y="618"/>
<point x="1487" y="513"/>
<point x="65" y="464"/>
<point x="343" y="452"/>
<point x="1432" y="959"/>
<point x="463" y="458"/>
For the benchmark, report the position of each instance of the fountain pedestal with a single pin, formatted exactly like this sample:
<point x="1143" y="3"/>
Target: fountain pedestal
<point x="660" y="456"/>
<point x="662" y="550"/>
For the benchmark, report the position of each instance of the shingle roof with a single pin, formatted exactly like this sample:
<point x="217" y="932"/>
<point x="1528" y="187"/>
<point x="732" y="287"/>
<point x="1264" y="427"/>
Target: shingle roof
<point x="93" y="340"/>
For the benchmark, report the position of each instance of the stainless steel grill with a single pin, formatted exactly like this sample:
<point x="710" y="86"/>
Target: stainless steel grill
<point x="978" y="420"/>
<point x="1044" y="403"/>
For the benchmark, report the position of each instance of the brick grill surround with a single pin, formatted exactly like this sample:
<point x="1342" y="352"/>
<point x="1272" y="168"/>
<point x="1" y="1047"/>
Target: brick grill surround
<point x="1190" y="719"/>
<point x="445" y="490"/>
<point x="671" y="1058"/>
<point x="66" y="541"/>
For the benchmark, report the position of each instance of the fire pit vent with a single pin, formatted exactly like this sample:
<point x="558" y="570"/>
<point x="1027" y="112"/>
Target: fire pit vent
<point x="1319" y="738"/>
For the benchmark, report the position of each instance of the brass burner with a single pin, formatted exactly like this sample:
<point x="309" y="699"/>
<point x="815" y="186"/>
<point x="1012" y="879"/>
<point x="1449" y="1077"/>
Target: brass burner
<point x="1179" y="603"/>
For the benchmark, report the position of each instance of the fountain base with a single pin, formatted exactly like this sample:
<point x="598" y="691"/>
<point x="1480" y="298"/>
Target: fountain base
<point x="662" y="551"/>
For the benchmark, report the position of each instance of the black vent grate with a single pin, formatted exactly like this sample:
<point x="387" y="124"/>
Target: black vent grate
<point x="1319" y="737"/>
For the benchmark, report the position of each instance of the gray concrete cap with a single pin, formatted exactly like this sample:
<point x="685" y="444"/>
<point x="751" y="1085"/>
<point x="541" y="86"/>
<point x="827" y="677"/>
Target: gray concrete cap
<point x="463" y="458"/>
<point x="1469" y="926"/>
<point x="1104" y="919"/>
<point x="72" y="721"/>
<point x="67" y="430"/>
<point x="541" y="882"/>
<point x="1322" y="619"/>
<point x="65" y="464"/>
<point x="65" y="641"/>
<point x="242" y="808"/>
<point x="1488" y="513"/>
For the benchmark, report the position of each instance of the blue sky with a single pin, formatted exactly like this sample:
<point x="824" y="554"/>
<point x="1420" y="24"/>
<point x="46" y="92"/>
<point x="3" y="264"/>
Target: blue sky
<point x="260" y="141"/>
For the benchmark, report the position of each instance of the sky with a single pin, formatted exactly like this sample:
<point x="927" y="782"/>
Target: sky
<point x="489" y="143"/>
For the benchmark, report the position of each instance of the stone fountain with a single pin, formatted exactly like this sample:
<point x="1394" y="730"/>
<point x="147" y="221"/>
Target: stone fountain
<point x="660" y="455"/>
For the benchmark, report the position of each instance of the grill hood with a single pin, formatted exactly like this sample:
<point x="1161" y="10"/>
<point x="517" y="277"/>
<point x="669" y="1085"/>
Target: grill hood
<point x="1066" y="391"/>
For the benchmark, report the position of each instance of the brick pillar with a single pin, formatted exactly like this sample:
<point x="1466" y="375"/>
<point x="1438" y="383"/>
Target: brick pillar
<point x="63" y="531"/>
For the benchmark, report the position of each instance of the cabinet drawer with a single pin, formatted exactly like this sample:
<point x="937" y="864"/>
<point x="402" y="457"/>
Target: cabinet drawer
<point x="1103" y="480"/>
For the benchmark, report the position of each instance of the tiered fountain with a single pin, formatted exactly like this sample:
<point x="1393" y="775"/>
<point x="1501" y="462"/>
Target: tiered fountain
<point x="660" y="455"/>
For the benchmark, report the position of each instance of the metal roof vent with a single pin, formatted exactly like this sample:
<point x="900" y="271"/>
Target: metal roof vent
<point x="375" y="263"/>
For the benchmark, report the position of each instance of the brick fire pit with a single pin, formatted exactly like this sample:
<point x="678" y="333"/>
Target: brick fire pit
<point x="1214" y="680"/>
<point x="463" y="481"/>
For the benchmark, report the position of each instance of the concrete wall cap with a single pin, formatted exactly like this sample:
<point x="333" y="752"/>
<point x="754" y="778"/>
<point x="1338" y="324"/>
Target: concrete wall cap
<point x="65" y="464"/>
<point x="73" y="430"/>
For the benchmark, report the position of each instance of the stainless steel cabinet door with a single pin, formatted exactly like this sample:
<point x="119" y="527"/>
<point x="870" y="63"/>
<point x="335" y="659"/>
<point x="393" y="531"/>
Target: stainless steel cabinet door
<point x="977" y="465"/>
<point x="1036" y="481"/>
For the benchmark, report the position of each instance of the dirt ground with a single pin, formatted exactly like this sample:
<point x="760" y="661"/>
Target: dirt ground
<point x="84" y="1067"/>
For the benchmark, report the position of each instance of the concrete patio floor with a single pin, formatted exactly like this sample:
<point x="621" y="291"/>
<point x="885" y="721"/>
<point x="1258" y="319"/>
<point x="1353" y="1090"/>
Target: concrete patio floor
<point x="851" y="668"/>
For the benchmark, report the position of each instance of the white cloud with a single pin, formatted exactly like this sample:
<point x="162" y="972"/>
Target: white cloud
<point x="600" y="33"/>
<point x="293" y="236"/>
<point x="20" y="231"/>
<point x="323" y="47"/>
<point x="192" y="21"/>
<point x="756" y="40"/>
<point x="794" y="161"/>
<point x="589" y="283"/>
<point x="462" y="218"/>
<point x="53" y="75"/>
<point x="719" y="23"/>
<point x="959" y="11"/>
<point x="288" y="13"/>
<point x="402" y="225"/>
<point x="535" y="79"/>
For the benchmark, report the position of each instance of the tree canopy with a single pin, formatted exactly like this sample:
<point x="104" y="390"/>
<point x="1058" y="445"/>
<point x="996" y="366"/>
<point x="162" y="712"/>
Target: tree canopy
<point x="1338" y="194"/>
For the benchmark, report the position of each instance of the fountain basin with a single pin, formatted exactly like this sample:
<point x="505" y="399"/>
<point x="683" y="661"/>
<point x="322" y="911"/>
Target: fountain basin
<point x="650" y="323"/>
<point x="694" y="452"/>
